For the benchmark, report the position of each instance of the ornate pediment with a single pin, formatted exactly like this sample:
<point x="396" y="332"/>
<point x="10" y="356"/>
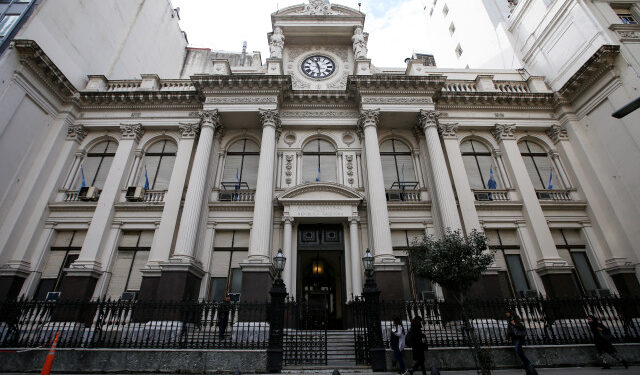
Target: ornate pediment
<point x="318" y="8"/>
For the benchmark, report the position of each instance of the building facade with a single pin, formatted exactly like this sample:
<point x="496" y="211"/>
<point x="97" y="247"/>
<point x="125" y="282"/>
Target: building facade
<point x="185" y="187"/>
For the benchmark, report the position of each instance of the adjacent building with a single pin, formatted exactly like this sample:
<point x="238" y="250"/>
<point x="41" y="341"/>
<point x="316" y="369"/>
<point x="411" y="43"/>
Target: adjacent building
<point x="181" y="181"/>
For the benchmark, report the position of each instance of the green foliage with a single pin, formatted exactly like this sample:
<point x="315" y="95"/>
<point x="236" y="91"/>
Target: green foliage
<point x="452" y="261"/>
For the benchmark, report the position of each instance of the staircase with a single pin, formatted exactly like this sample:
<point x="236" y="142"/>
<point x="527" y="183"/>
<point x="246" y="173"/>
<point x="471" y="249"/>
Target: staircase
<point x="341" y="349"/>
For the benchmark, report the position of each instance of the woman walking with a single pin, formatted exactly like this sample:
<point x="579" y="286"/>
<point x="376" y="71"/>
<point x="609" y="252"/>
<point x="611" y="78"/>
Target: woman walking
<point x="397" y="342"/>
<point x="602" y="339"/>
<point x="517" y="332"/>
<point x="418" y="341"/>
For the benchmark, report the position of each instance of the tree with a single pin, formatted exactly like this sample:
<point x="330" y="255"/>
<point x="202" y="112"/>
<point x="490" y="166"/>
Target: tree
<point x="455" y="263"/>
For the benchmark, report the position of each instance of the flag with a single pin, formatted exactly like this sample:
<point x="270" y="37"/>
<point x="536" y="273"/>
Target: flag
<point x="550" y="179"/>
<point x="83" y="182"/>
<point x="146" y="178"/>
<point x="492" y="184"/>
<point x="318" y="176"/>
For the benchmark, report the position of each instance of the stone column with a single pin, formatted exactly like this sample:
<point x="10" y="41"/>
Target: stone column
<point x="181" y="275"/>
<point x="131" y="181"/>
<point x="287" y="274"/>
<point x="503" y="170"/>
<point x="445" y="199"/>
<point x="163" y="237"/>
<point x="606" y="225"/>
<point x="356" y="261"/>
<point x="80" y="281"/>
<point x="388" y="269"/>
<point x="554" y="271"/>
<point x="256" y="276"/>
<point x="73" y="172"/>
<point x="381" y="232"/>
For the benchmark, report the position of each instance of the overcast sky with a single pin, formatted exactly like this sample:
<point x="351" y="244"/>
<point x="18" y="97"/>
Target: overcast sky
<point x="397" y="28"/>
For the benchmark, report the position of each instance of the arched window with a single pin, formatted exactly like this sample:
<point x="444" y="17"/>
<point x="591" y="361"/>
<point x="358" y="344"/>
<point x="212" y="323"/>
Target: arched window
<point x="478" y="163"/>
<point x="241" y="165"/>
<point x="539" y="166"/>
<point x="397" y="165"/>
<point x="158" y="162"/>
<point x="319" y="162"/>
<point x="96" y="165"/>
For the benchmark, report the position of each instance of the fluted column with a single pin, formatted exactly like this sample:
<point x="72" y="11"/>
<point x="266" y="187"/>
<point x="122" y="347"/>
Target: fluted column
<point x="445" y="199"/>
<point x="287" y="275"/>
<point x="263" y="207"/>
<point x="458" y="172"/>
<point x="356" y="262"/>
<point x="187" y="234"/>
<point x="377" y="202"/>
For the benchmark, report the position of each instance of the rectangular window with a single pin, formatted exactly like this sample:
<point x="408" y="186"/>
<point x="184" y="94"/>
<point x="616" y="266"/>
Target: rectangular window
<point x="64" y="251"/>
<point x="230" y="247"/>
<point x="508" y="255"/>
<point x="625" y="15"/>
<point x="415" y="287"/>
<point x="133" y="254"/>
<point x="571" y="248"/>
<point x="7" y="23"/>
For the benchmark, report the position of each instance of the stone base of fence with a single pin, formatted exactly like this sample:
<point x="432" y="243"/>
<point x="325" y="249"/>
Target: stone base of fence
<point x="140" y="361"/>
<point x="505" y="357"/>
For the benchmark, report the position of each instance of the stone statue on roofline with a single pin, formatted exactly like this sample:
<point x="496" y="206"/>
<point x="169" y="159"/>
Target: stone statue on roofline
<point x="276" y="43"/>
<point x="359" y="39"/>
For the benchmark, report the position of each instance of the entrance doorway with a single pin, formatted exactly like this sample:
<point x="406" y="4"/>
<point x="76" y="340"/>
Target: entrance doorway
<point x="320" y="273"/>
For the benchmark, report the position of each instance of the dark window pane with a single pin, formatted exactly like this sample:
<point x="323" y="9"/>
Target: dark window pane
<point x="45" y="286"/>
<point x="581" y="263"/>
<point x="518" y="275"/>
<point x="236" y="280"/>
<point x="217" y="288"/>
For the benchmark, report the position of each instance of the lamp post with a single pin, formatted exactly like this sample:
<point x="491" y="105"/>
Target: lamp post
<point x="371" y="295"/>
<point x="276" y="316"/>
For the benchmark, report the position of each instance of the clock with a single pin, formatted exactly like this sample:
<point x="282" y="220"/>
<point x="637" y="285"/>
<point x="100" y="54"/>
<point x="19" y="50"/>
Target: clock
<point x="318" y="66"/>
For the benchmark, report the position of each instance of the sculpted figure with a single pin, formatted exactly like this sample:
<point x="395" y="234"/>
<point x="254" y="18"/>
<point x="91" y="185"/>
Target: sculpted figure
<point x="276" y="44"/>
<point x="359" y="43"/>
<point x="316" y="7"/>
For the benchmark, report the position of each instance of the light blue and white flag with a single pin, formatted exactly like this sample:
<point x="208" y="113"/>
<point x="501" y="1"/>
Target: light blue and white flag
<point x="83" y="181"/>
<point x="146" y="178"/>
<point x="318" y="176"/>
<point x="492" y="184"/>
<point x="550" y="179"/>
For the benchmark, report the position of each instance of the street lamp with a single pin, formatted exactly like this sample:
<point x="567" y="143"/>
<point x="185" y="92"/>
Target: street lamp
<point x="371" y="295"/>
<point x="276" y="315"/>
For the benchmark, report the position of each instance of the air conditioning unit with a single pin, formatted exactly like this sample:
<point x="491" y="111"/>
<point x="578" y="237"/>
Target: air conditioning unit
<point x="600" y="293"/>
<point x="428" y="295"/>
<point x="129" y="296"/>
<point x="89" y="193"/>
<point x="483" y="196"/>
<point x="394" y="197"/>
<point x="531" y="293"/>
<point x="543" y="195"/>
<point x="52" y="296"/>
<point x="225" y="196"/>
<point x="135" y="193"/>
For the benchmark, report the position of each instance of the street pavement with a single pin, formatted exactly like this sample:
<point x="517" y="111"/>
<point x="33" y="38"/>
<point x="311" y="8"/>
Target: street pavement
<point x="634" y="370"/>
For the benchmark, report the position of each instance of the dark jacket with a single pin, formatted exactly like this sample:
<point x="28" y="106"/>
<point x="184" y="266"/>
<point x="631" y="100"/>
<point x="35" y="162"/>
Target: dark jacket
<point x="517" y="331"/>
<point x="418" y="342"/>
<point x="602" y="337"/>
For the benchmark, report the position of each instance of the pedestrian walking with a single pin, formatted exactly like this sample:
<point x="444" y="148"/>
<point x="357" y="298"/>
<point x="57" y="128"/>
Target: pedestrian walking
<point x="602" y="338"/>
<point x="517" y="332"/>
<point x="418" y="342"/>
<point x="397" y="341"/>
<point x="223" y="316"/>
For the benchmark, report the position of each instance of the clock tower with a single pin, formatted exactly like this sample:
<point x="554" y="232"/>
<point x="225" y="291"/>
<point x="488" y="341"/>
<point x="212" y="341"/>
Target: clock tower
<point x="318" y="44"/>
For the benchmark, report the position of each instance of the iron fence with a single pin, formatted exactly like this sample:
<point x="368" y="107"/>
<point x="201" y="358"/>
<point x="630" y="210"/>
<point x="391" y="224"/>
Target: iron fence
<point x="548" y="321"/>
<point x="305" y="333"/>
<point x="134" y="324"/>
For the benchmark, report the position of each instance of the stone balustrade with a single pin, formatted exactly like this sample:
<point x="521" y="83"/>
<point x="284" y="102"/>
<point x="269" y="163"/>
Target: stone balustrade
<point x="236" y="195"/>
<point x="403" y="195"/>
<point x="460" y="86"/>
<point x="554" y="195"/>
<point x="154" y="196"/>
<point x="511" y="86"/>
<point x="491" y="195"/>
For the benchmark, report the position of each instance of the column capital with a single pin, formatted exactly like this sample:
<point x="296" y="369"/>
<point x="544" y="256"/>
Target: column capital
<point x="368" y="117"/>
<point x="76" y="133"/>
<point x="132" y="131"/>
<point x="427" y="118"/>
<point x="448" y="130"/>
<point x="557" y="133"/>
<point x="287" y="220"/>
<point x="189" y="131"/>
<point x="354" y="219"/>
<point x="210" y="119"/>
<point x="504" y="131"/>
<point x="270" y="117"/>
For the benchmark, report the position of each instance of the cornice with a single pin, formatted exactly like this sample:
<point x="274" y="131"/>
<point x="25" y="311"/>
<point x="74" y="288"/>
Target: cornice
<point x="252" y="82"/>
<point x="298" y="190"/>
<point x="389" y="84"/>
<point x="602" y="61"/>
<point x="507" y="100"/>
<point x="141" y="99"/>
<point x="35" y="59"/>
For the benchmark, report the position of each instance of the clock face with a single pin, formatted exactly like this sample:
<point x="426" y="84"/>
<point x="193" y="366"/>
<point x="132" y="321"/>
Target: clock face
<point x="318" y="67"/>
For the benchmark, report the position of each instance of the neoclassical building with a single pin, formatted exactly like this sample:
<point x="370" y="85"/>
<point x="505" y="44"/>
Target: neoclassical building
<point x="185" y="188"/>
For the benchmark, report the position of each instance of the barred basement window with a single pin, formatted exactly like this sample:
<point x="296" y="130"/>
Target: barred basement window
<point x="133" y="254"/>
<point x="158" y="161"/>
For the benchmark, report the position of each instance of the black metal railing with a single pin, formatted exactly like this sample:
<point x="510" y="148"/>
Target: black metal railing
<point x="134" y="324"/>
<point x="305" y="333"/>
<point x="548" y="321"/>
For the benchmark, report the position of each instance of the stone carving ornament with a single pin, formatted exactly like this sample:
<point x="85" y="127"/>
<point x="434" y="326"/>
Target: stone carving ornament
<point x="189" y="130"/>
<point x="210" y="118"/>
<point x="132" y="131"/>
<point x="359" y="39"/>
<point x="276" y="43"/>
<point x="76" y="133"/>
<point x="317" y="7"/>
<point x="448" y="130"/>
<point x="557" y="133"/>
<point x="350" y="169"/>
<point x="504" y="131"/>
<point x="428" y="118"/>
<point x="289" y="167"/>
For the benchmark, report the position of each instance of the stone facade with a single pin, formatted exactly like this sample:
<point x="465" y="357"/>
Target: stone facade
<point x="186" y="187"/>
